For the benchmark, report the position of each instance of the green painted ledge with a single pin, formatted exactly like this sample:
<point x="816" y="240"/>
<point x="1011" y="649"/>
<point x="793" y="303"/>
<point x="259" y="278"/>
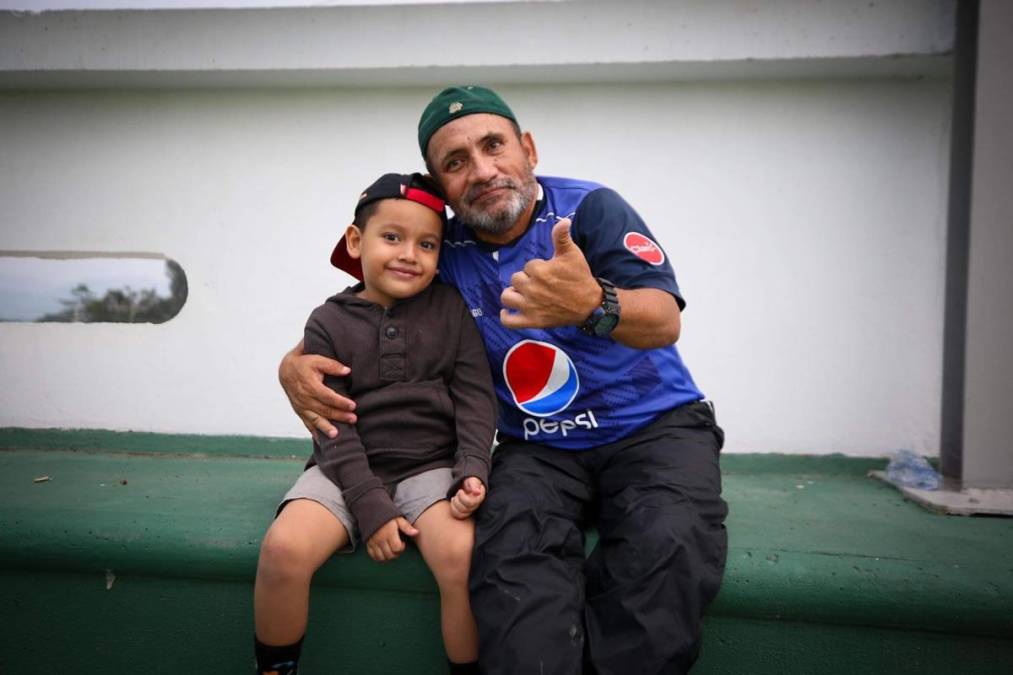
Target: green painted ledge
<point x="140" y="442"/>
<point x="814" y="542"/>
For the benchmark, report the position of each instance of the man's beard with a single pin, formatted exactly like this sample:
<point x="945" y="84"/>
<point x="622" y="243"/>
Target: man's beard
<point x="520" y="196"/>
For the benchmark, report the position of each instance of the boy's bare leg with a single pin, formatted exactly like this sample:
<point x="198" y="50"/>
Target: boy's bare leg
<point x="446" y="543"/>
<point x="299" y="541"/>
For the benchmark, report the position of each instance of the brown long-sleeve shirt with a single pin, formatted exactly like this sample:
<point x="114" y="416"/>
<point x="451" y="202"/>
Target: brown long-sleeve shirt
<point x="424" y="395"/>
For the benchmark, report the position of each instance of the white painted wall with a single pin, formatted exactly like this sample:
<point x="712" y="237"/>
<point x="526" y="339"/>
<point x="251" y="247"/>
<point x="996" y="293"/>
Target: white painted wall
<point x="791" y="156"/>
<point x="514" y="41"/>
<point x="805" y="219"/>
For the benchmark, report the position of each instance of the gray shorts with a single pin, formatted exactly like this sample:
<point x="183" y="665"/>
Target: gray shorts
<point x="411" y="497"/>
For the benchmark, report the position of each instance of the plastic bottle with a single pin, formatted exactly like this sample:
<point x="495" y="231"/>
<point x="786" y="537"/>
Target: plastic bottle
<point x="911" y="470"/>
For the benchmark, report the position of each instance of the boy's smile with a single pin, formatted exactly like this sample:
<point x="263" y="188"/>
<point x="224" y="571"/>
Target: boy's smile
<point x="399" y="248"/>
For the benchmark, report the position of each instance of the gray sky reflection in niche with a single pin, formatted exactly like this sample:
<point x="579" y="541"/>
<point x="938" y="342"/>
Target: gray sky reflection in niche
<point x="32" y="287"/>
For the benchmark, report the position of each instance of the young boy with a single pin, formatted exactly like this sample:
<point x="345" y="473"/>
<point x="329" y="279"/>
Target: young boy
<point x="425" y="422"/>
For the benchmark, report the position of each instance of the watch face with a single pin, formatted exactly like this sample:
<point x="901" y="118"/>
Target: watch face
<point x="606" y="324"/>
<point x="605" y="318"/>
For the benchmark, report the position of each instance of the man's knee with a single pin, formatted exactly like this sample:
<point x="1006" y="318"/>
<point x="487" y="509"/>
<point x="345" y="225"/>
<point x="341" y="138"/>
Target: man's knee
<point x="678" y="539"/>
<point x="522" y="529"/>
<point x="521" y="518"/>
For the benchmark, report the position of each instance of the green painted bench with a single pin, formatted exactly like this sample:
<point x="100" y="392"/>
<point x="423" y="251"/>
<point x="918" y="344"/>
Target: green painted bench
<point x="128" y="553"/>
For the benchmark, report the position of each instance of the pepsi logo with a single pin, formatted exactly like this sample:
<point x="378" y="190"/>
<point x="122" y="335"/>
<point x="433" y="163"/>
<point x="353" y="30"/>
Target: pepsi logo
<point x="643" y="248"/>
<point x="541" y="377"/>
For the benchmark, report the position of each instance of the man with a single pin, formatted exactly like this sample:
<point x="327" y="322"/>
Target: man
<point x="600" y="422"/>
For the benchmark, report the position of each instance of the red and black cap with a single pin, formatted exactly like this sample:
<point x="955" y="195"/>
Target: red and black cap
<point x="414" y="187"/>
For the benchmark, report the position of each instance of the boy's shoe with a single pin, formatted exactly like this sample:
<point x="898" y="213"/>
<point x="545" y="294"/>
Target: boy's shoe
<point x="285" y="668"/>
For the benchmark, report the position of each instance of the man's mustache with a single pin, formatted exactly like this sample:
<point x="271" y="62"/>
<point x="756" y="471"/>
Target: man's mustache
<point x="475" y="190"/>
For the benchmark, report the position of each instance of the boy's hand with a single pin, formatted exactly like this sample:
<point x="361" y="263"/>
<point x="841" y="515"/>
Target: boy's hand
<point x="386" y="543"/>
<point x="468" y="498"/>
<point x="302" y="377"/>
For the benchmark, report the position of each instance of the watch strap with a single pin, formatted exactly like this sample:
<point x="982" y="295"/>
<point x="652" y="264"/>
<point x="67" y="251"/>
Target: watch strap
<point x="604" y="318"/>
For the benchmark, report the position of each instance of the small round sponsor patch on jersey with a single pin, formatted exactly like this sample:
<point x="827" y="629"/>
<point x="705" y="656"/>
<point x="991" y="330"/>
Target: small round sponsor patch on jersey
<point x="643" y="248"/>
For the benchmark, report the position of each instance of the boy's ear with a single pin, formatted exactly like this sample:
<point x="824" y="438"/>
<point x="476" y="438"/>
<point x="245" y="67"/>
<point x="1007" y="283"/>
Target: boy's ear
<point x="353" y="239"/>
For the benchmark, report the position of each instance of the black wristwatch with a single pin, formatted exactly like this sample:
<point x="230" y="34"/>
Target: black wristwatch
<point x="604" y="319"/>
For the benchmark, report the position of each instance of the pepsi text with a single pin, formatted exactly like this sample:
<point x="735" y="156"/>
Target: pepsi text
<point x="534" y="426"/>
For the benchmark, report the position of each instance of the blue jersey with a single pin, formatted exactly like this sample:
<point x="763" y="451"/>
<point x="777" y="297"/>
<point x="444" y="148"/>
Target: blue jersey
<point x="558" y="386"/>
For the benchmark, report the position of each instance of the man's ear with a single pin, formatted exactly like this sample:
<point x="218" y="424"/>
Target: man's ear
<point x="528" y="143"/>
<point x="353" y="240"/>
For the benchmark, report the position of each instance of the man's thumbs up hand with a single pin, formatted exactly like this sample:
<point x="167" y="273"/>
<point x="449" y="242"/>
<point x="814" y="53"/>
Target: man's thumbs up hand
<point x="561" y="241"/>
<point x="556" y="292"/>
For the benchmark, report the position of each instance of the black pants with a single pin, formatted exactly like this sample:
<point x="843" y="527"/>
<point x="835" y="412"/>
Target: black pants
<point x="635" y="604"/>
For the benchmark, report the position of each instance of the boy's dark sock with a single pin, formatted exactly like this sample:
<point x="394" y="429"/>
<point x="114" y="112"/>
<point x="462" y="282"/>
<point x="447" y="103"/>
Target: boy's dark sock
<point x="277" y="660"/>
<point x="463" y="668"/>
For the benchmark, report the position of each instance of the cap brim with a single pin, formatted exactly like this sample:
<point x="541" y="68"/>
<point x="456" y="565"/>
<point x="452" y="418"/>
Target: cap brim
<point x="345" y="262"/>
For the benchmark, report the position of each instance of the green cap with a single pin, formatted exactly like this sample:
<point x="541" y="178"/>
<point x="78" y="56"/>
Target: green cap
<point x="454" y="102"/>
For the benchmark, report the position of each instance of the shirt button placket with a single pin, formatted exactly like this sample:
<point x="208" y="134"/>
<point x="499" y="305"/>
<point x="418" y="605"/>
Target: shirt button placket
<point x="392" y="349"/>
